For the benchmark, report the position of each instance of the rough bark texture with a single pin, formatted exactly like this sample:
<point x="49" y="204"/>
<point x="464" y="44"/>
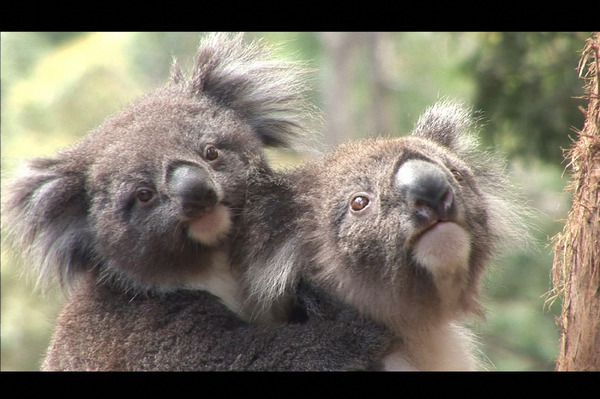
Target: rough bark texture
<point x="576" y="269"/>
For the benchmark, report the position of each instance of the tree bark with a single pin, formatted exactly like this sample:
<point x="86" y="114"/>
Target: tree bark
<point x="576" y="268"/>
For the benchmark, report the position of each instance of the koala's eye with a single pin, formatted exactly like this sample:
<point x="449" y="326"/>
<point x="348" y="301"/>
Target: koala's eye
<point x="211" y="153"/>
<point x="457" y="175"/>
<point x="359" y="202"/>
<point x="144" y="195"/>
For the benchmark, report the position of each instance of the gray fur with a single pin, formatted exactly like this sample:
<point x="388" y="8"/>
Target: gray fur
<point x="73" y="213"/>
<point x="105" y="329"/>
<point x="383" y="260"/>
<point x="144" y="207"/>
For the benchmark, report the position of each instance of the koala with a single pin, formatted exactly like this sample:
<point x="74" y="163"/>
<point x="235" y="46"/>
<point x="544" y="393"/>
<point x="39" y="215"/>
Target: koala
<point x="104" y="328"/>
<point x="400" y="228"/>
<point x="137" y="219"/>
<point x="147" y="198"/>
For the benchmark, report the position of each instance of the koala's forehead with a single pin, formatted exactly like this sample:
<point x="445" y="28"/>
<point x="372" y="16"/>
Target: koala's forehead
<point x="174" y="118"/>
<point x="381" y="152"/>
<point x="165" y="126"/>
<point x="372" y="162"/>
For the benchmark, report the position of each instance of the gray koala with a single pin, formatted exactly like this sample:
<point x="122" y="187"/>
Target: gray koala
<point x="400" y="228"/>
<point x="138" y="218"/>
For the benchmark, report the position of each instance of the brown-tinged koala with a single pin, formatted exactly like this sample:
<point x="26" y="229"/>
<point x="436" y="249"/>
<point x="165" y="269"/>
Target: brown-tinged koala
<point x="400" y="228"/>
<point x="137" y="219"/>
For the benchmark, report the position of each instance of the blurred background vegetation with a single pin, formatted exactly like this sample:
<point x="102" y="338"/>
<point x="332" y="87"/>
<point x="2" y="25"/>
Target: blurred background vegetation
<point x="58" y="85"/>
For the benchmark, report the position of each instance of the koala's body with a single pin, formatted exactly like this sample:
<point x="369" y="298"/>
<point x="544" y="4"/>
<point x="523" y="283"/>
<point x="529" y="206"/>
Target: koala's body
<point x="103" y="328"/>
<point x="144" y="207"/>
<point x="402" y="229"/>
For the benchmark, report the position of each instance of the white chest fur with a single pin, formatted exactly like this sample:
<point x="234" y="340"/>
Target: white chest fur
<point x="447" y="348"/>
<point x="219" y="280"/>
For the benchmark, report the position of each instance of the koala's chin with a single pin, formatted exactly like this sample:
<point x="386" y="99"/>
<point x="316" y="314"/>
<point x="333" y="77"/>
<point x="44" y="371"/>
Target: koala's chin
<point x="443" y="249"/>
<point x="211" y="227"/>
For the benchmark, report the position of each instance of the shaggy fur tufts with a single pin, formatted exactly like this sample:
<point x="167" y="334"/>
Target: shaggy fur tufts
<point x="402" y="229"/>
<point x="78" y="211"/>
<point x="139" y="217"/>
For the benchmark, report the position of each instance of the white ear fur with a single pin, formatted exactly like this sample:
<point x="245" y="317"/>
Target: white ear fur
<point x="45" y="217"/>
<point x="270" y="95"/>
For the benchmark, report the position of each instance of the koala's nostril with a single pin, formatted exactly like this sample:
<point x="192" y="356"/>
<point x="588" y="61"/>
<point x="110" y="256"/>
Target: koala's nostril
<point x="447" y="199"/>
<point x="421" y="204"/>
<point x="198" y="200"/>
<point x="194" y="189"/>
<point x="444" y="207"/>
<point x="426" y="188"/>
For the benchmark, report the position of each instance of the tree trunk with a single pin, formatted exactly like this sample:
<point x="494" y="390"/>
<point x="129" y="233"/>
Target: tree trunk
<point x="576" y="268"/>
<point x="340" y="50"/>
<point x="345" y="53"/>
<point x="381" y="96"/>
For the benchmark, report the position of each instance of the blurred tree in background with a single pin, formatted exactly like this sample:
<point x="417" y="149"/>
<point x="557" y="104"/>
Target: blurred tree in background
<point x="56" y="86"/>
<point x="524" y="82"/>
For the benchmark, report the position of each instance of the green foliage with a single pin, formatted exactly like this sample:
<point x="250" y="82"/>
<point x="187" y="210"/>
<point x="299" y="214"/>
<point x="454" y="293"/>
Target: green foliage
<point x="527" y="84"/>
<point x="519" y="332"/>
<point x="57" y="86"/>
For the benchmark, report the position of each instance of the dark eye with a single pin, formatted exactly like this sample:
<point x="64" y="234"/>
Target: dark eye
<point x="144" y="195"/>
<point x="359" y="202"/>
<point x="457" y="175"/>
<point x="211" y="153"/>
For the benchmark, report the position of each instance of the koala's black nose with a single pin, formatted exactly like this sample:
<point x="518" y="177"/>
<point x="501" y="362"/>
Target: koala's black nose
<point x="426" y="189"/>
<point x="194" y="189"/>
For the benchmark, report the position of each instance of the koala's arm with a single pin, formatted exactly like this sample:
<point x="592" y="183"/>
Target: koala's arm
<point x="102" y="330"/>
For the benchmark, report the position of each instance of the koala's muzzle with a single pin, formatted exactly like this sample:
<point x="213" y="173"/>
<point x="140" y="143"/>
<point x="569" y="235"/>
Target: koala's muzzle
<point x="194" y="189"/>
<point x="427" y="190"/>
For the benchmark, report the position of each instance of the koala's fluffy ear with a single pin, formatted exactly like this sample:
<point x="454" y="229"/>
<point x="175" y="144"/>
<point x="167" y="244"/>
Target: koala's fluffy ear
<point x="45" y="213"/>
<point x="268" y="94"/>
<point x="452" y="125"/>
<point x="176" y="73"/>
<point x="449" y="125"/>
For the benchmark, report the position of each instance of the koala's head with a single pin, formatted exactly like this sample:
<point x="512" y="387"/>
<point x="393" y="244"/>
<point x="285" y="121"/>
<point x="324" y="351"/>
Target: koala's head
<point x="403" y="228"/>
<point x="148" y="195"/>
